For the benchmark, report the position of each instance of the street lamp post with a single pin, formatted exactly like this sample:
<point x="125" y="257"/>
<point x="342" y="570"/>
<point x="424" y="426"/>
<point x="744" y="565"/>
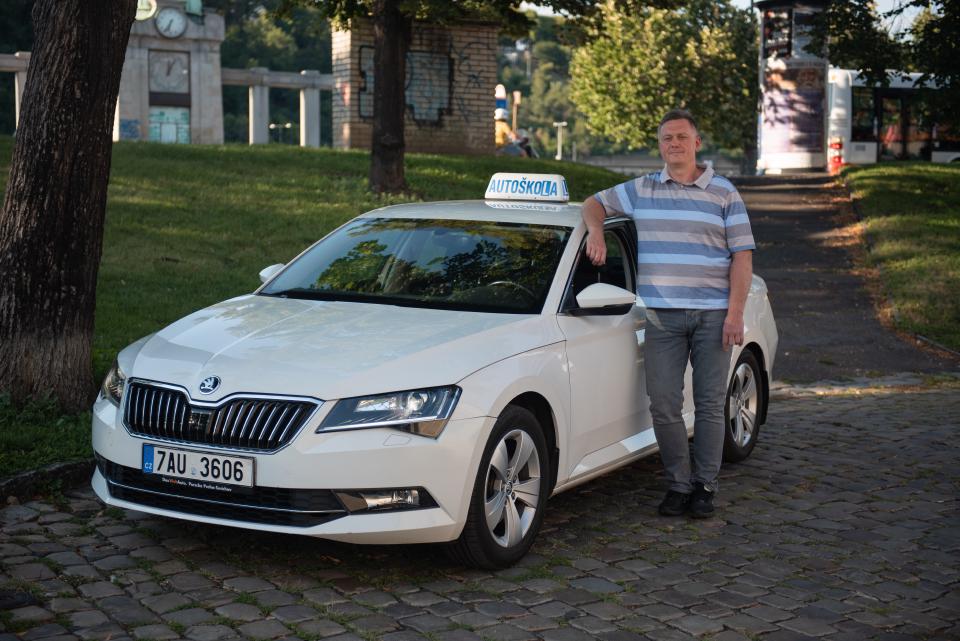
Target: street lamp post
<point x="280" y="126"/>
<point x="560" y="126"/>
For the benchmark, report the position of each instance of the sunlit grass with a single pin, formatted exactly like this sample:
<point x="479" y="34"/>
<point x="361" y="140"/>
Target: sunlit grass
<point x="912" y="217"/>
<point x="188" y="226"/>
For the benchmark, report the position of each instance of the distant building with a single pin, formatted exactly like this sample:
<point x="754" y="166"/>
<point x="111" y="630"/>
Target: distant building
<point x="170" y="89"/>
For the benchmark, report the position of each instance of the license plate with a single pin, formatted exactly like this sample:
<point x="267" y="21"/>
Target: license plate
<point x="197" y="466"/>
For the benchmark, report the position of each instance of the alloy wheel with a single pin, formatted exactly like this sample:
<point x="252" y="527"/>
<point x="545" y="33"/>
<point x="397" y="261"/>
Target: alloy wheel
<point x="512" y="491"/>
<point x="744" y="402"/>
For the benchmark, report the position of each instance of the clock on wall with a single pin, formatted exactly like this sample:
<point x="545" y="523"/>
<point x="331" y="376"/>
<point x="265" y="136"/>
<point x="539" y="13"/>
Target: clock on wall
<point x="171" y="22"/>
<point x="170" y="71"/>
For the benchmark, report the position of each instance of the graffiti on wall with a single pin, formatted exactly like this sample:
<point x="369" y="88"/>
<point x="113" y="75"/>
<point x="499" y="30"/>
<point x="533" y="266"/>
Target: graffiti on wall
<point x="129" y="129"/>
<point x="428" y="87"/>
<point x="468" y="61"/>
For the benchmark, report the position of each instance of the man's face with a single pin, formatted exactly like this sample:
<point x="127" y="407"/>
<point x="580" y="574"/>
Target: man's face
<point x="679" y="143"/>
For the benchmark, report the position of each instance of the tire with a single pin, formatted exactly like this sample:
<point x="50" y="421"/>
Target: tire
<point x="742" y="408"/>
<point x="512" y="530"/>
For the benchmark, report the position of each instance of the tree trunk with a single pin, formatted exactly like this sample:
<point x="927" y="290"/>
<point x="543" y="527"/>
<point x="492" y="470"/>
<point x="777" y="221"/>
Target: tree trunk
<point x="51" y="228"/>
<point x="391" y="38"/>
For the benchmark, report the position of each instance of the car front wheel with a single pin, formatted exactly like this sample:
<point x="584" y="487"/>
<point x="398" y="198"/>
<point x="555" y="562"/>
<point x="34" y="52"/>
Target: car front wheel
<point x="509" y="494"/>
<point x="745" y="398"/>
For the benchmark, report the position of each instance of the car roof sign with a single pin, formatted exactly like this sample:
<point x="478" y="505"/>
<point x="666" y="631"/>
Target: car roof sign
<point x="542" y="187"/>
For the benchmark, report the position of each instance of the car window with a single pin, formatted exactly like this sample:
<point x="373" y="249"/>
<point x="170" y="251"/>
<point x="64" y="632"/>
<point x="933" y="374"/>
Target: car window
<point x="447" y="264"/>
<point x="616" y="271"/>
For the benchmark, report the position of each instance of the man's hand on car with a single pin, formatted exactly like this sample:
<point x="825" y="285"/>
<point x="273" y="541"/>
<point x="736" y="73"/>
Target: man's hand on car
<point x="596" y="248"/>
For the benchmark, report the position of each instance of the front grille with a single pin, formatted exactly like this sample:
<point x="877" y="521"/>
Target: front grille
<point x="259" y="424"/>
<point x="266" y="505"/>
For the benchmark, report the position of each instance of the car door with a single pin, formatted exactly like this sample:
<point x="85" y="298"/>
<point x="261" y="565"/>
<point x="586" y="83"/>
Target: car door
<point x="608" y="397"/>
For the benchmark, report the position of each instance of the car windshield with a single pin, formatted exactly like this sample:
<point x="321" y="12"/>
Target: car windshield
<point x="442" y="264"/>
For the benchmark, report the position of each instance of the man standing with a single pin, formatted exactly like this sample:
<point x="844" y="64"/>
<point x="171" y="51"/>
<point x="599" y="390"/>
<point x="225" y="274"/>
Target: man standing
<point x="695" y="264"/>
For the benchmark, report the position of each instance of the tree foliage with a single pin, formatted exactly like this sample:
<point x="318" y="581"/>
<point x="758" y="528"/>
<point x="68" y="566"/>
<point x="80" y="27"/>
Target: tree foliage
<point x="855" y="37"/>
<point x="257" y="37"/>
<point x="934" y="50"/>
<point x="700" y="56"/>
<point x="392" y="24"/>
<point x="854" y="34"/>
<point x="548" y="50"/>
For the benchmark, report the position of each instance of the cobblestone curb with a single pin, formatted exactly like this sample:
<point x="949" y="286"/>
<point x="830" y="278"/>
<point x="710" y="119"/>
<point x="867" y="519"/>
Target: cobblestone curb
<point x="865" y="385"/>
<point x="28" y="483"/>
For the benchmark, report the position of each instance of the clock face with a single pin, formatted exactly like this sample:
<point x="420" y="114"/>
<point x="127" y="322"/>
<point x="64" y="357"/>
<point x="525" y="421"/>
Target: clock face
<point x="170" y="71"/>
<point x="171" y="22"/>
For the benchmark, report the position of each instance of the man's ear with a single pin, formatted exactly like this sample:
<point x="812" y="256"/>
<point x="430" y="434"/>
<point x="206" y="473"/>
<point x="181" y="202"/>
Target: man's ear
<point x="699" y="143"/>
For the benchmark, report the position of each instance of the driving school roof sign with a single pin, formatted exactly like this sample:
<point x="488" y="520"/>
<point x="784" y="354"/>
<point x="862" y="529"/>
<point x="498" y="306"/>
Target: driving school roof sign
<point x="546" y="187"/>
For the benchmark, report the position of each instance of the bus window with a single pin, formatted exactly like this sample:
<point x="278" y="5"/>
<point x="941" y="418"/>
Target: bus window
<point x="891" y="135"/>
<point x="919" y="127"/>
<point x="864" y="115"/>
<point x="947" y="137"/>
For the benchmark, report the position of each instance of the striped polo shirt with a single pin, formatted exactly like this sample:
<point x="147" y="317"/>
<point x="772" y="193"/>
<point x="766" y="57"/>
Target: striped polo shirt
<point x="686" y="235"/>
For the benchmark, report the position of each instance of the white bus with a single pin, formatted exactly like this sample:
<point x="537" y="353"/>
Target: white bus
<point x="869" y="124"/>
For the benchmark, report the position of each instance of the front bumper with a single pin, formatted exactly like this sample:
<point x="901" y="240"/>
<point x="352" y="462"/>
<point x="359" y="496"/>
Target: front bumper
<point x="293" y="485"/>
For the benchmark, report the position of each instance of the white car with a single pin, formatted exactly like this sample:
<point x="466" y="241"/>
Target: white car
<point x="425" y="373"/>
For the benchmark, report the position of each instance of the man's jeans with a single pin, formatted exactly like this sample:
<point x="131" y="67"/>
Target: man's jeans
<point x="673" y="336"/>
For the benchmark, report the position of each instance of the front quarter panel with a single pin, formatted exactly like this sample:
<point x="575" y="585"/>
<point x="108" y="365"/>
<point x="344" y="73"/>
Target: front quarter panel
<point x="542" y="371"/>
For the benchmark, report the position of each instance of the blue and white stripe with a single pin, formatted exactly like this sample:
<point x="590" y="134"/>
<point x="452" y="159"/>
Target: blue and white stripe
<point x="686" y="236"/>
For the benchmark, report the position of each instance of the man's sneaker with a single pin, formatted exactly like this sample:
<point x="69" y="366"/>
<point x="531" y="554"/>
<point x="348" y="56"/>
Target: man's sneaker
<point x="674" y="503"/>
<point x="701" y="502"/>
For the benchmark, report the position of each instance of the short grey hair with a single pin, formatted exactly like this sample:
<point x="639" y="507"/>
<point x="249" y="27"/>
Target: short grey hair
<point x="678" y="114"/>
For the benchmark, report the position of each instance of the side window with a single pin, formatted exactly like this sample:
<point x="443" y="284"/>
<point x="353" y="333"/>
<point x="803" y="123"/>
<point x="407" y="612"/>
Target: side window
<point x="616" y="271"/>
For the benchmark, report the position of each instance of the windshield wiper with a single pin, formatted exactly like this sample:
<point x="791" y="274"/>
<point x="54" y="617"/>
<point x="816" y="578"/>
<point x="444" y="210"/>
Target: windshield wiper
<point x="306" y="293"/>
<point x="303" y="293"/>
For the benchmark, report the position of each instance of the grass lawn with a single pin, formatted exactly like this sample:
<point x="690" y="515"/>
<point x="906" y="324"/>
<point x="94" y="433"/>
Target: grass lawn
<point x="912" y="216"/>
<point x="188" y="226"/>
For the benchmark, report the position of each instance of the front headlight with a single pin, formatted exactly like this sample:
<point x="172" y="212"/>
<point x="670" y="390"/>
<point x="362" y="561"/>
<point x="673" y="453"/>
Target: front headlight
<point x="112" y="388"/>
<point x="424" y="412"/>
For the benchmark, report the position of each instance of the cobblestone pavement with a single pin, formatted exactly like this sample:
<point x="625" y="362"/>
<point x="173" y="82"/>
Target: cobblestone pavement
<point x="842" y="525"/>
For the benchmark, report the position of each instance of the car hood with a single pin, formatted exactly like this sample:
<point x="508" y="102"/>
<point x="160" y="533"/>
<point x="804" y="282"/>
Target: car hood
<point x="329" y="349"/>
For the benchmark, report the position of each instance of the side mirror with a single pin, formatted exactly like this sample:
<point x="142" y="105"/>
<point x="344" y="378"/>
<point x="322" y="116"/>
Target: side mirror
<point x="602" y="299"/>
<point x="269" y="272"/>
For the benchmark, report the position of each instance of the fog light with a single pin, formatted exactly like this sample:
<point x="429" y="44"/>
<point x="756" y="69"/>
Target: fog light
<point x="381" y="500"/>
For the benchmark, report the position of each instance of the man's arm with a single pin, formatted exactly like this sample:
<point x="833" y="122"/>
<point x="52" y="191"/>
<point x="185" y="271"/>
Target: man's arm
<point x="593" y="214"/>
<point x="741" y="274"/>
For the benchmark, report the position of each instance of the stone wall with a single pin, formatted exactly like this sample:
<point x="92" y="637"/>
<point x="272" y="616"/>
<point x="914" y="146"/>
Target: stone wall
<point x="451" y="74"/>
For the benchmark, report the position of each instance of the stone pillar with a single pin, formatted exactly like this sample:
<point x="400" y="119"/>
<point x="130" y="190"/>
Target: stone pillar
<point x="133" y="100"/>
<point x="259" y="110"/>
<point x="310" y="112"/>
<point x="206" y="105"/>
<point x="20" y="83"/>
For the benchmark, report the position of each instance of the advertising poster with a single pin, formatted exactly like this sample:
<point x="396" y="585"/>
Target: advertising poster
<point x="793" y="103"/>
